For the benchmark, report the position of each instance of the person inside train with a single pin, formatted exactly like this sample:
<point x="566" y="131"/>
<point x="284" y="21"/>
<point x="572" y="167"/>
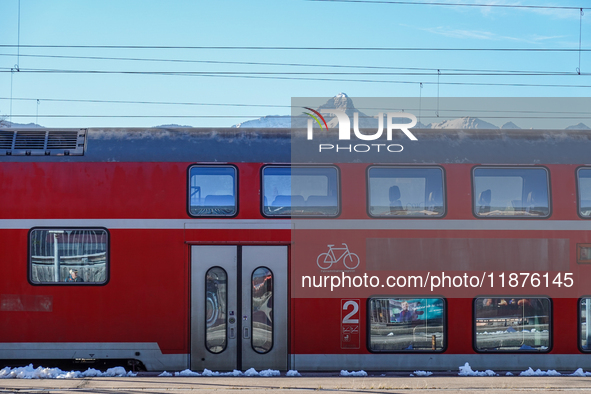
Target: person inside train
<point x="405" y="314"/>
<point x="74" y="276"/>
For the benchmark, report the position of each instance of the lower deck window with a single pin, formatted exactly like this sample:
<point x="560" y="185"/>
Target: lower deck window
<point x="406" y="324"/>
<point x="68" y="256"/>
<point x="512" y="324"/>
<point x="585" y="329"/>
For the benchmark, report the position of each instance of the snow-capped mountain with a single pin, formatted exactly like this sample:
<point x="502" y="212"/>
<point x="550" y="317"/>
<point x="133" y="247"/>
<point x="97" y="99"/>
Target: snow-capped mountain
<point x="6" y="124"/>
<point x="580" y="126"/>
<point x="465" y="122"/>
<point x="510" y="125"/>
<point x="281" y="121"/>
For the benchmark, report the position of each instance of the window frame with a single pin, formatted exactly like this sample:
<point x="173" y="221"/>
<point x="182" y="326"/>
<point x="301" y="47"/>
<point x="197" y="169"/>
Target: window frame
<point x="262" y="191"/>
<point x="405" y="217"/>
<point x="511" y="217"/>
<point x="550" y="326"/>
<point x="402" y="351"/>
<point x="236" y="187"/>
<point x="65" y="228"/>
<point x="578" y="189"/>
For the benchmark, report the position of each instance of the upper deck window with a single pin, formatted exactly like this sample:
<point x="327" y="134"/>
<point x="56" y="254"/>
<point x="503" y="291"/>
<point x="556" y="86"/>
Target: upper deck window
<point x="502" y="192"/>
<point x="300" y="191"/>
<point x="403" y="191"/>
<point x="584" y="179"/>
<point x="212" y="191"/>
<point x="68" y="256"/>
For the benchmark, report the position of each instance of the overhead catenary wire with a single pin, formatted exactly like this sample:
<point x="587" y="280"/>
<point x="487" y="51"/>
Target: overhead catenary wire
<point x="288" y="64"/>
<point x="433" y="73"/>
<point x="280" y="77"/>
<point x="298" y="48"/>
<point x="493" y="5"/>
<point x="472" y="110"/>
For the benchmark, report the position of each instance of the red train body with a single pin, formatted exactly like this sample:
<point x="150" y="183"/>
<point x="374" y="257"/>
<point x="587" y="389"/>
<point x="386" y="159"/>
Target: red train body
<point x="152" y="304"/>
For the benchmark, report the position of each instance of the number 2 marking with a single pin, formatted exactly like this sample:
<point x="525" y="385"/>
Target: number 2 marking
<point x="347" y="319"/>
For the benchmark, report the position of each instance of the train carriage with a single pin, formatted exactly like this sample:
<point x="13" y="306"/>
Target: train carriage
<point x="222" y="249"/>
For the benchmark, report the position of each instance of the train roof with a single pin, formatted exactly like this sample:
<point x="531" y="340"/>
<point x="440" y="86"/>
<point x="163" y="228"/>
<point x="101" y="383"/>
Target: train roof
<point x="273" y="145"/>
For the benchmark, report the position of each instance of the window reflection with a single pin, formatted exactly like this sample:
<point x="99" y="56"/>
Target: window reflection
<point x="406" y="324"/>
<point x="215" y="309"/>
<point x="293" y="191"/>
<point x="512" y="324"/>
<point x="405" y="192"/>
<point x="262" y="310"/>
<point x="212" y="191"/>
<point x="585" y="316"/>
<point x="68" y="256"/>
<point x="584" y="178"/>
<point x="511" y="192"/>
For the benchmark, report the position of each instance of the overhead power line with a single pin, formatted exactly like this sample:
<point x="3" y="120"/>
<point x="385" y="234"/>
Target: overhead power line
<point x="471" y="111"/>
<point x="551" y="7"/>
<point x="270" y="116"/>
<point x="425" y="73"/>
<point x="278" y="64"/>
<point x="275" y="48"/>
<point x="280" y="77"/>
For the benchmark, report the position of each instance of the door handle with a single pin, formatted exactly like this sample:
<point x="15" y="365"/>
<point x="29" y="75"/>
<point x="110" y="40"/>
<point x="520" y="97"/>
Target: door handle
<point x="246" y="333"/>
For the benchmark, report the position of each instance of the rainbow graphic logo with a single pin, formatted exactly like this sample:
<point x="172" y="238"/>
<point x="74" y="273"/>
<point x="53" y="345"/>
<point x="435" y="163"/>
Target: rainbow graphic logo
<point x="315" y="118"/>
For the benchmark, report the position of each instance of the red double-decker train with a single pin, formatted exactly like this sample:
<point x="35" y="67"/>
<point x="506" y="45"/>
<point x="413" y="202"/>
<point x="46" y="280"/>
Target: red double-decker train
<point x="228" y="249"/>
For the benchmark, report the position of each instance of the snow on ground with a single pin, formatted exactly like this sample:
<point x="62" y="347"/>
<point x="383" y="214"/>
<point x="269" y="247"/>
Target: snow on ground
<point x="579" y="372"/>
<point x="29" y="372"/>
<point x="421" y="373"/>
<point x="539" y="372"/>
<point x="466" y="370"/>
<point x="293" y="372"/>
<point x="165" y="374"/>
<point x="353" y="373"/>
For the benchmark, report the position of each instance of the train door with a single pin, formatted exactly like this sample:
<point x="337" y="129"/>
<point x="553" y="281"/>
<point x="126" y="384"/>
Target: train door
<point x="238" y="307"/>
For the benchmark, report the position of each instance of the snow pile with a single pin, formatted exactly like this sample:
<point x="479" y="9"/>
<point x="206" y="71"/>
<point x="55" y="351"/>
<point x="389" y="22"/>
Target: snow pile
<point x="539" y="372"/>
<point x="466" y="370"/>
<point x="421" y="373"/>
<point x="266" y="373"/>
<point x="292" y="373"/>
<point x="353" y="373"/>
<point x="29" y="372"/>
<point x="187" y="372"/>
<point x="508" y="374"/>
<point x="579" y="372"/>
<point x="207" y="372"/>
<point x="165" y="374"/>
<point x="269" y="372"/>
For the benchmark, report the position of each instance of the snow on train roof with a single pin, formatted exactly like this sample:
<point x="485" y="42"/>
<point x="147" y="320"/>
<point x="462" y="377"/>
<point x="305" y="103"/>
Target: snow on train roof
<point x="272" y="145"/>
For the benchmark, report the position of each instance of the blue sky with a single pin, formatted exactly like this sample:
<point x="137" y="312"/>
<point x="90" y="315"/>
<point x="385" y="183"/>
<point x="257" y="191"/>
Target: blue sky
<point x="292" y="23"/>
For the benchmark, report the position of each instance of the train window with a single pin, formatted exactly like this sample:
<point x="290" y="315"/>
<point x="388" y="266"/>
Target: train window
<point x="216" y="300"/>
<point x="502" y="192"/>
<point x="406" y="324"/>
<point x="584" y="328"/>
<point x="512" y="324"/>
<point x="262" y="310"/>
<point x="212" y="191"/>
<point x="68" y="256"/>
<point x="300" y="191"/>
<point x="584" y="179"/>
<point x="400" y="191"/>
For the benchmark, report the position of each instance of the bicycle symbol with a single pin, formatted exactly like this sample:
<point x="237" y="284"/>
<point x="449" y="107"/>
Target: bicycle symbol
<point x="326" y="260"/>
